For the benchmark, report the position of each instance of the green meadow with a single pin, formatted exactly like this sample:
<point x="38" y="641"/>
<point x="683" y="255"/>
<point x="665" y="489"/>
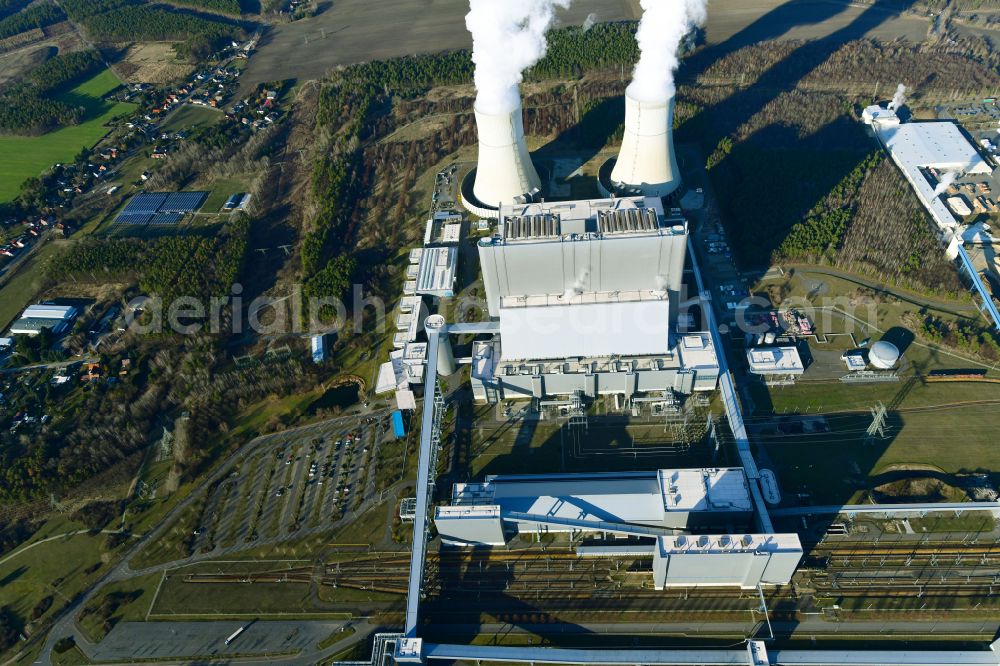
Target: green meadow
<point x="22" y="157"/>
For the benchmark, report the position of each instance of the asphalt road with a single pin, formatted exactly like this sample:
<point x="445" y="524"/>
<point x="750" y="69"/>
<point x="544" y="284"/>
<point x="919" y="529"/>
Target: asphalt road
<point x="354" y="31"/>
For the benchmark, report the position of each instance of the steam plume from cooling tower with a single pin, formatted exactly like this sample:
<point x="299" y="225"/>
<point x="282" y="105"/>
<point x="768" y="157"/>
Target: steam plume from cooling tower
<point x="899" y="98"/>
<point x="508" y="36"/>
<point x="664" y="24"/>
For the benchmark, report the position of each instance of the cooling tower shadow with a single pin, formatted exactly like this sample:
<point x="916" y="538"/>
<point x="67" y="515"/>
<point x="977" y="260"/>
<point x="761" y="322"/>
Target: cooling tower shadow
<point x="748" y="164"/>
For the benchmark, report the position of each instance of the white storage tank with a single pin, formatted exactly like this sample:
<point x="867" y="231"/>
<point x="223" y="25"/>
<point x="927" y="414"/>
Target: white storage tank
<point x="883" y="355"/>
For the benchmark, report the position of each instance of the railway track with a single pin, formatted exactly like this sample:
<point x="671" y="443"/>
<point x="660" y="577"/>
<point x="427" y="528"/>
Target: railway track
<point x="897" y="570"/>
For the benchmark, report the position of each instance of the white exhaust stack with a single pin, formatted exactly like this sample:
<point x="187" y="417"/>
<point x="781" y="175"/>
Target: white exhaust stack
<point x="646" y="161"/>
<point x="504" y="171"/>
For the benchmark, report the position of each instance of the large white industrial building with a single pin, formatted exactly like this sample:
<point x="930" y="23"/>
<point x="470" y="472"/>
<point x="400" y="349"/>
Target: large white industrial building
<point x="587" y="293"/>
<point x="661" y="507"/>
<point x="613" y="502"/>
<point x="727" y="560"/>
<point x="56" y="318"/>
<point x="932" y="156"/>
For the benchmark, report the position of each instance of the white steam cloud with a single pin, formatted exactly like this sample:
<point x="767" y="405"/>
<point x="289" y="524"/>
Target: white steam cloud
<point x="664" y="24"/>
<point x="899" y="98"/>
<point x="589" y="22"/>
<point x="508" y="36"/>
<point x="947" y="178"/>
<point x="578" y="286"/>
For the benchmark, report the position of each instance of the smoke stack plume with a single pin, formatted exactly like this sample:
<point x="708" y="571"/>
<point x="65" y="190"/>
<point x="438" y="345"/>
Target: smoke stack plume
<point x="664" y="24"/>
<point x="899" y="98"/>
<point x="508" y="36"/>
<point x="589" y="22"/>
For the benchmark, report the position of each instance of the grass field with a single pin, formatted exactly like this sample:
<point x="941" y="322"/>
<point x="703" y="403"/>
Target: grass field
<point x="56" y="570"/>
<point x="189" y="116"/>
<point x="945" y="427"/>
<point x="23" y="157"/>
<point x="24" y="286"/>
<point x="142" y="587"/>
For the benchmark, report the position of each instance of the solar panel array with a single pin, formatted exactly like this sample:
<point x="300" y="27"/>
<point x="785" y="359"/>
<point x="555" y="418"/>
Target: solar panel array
<point x="183" y="202"/>
<point x="145" y="202"/>
<point x="160" y="208"/>
<point x="166" y="218"/>
<point x="140" y="219"/>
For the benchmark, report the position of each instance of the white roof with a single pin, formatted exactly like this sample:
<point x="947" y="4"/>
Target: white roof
<point x="49" y="311"/>
<point x="608" y="497"/>
<point x="620" y="497"/>
<point x="938" y="145"/>
<point x="409" y="303"/>
<point x="775" y="361"/>
<point x="392" y="374"/>
<point x="595" y="329"/>
<point x="685" y="544"/>
<point x="452" y="233"/>
<point x="405" y="399"/>
<point x="704" y="490"/>
<point x="437" y="271"/>
<point x="574" y="214"/>
<point x="958" y="205"/>
<point x="697" y="351"/>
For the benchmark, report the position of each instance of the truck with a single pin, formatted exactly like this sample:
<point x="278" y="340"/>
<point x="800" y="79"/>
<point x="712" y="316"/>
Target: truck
<point x="233" y="636"/>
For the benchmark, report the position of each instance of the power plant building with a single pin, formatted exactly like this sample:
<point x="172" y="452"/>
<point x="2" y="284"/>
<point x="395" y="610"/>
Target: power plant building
<point x="648" y="503"/>
<point x="728" y="560"/>
<point x="587" y="293"/>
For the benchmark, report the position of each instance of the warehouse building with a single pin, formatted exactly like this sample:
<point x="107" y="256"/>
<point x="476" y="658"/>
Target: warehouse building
<point x="56" y="318"/>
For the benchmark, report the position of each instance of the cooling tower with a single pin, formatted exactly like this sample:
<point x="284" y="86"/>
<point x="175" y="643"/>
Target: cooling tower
<point x="504" y="171"/>
<point x="646" y="162"/>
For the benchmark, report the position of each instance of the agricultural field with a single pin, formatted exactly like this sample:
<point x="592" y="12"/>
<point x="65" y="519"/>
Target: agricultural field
<point x="23" y="157"/>
<point x="152" y="62"/>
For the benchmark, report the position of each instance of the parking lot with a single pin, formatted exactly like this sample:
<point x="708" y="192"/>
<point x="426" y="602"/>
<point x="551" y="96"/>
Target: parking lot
<point x="163" y="640"/>
<point x="445" y="189"/>
<point x="302" y="483"/>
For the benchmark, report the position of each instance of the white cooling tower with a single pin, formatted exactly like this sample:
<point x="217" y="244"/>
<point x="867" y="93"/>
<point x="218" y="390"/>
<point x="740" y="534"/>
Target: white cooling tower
<point x="646" y="161"/>
<point x="504" y="171"/>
